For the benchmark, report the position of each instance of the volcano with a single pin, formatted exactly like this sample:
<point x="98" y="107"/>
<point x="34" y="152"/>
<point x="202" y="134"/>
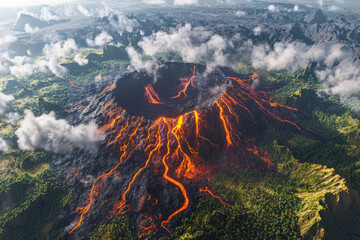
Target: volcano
<point x="166" y="135"/>
<point x="176" y="89"/>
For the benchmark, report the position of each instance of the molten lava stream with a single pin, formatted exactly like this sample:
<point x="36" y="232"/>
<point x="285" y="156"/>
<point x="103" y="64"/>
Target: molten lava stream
<point x="75" y="86"/>
<point x="167" y="177"/>
<point x="151" y="95"/>
<point x="206" y="189"/>
<point x="184" y="85"/>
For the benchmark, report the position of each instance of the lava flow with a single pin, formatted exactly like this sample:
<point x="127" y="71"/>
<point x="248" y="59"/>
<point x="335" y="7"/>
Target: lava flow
<point x="151" y="95"/>
<point x="182" y="148"/>
<point x="185" y="83"/>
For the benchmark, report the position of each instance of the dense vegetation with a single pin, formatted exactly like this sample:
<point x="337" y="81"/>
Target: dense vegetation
<point x="30" y="205"/>
<point x="118" y="228"/>
<point x="264" y="207"/>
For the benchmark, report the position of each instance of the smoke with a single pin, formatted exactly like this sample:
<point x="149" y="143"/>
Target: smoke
<point x="46" y="132"/>
<point x="60" y="48"/>
<point x="137" y="62"/>
<point x="4" y="99"/>
<point x="81" y="61"/>
<point x="185" y="2"/>
<point x="100" y="40"/>
<point x="193" y="45"/>
<point x="52" y="66"/>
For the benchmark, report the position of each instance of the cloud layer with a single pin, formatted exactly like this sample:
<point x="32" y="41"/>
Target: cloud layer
<point x="193" y="45"/>
<point x="337" y="71"/>
<point x="46" y="132"/>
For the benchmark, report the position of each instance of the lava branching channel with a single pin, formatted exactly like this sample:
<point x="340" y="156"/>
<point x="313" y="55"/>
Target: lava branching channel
<point x="184" y="133"/>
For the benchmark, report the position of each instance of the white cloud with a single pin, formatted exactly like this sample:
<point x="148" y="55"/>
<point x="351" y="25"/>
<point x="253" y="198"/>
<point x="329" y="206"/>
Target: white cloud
<point x="13" y="117"/>
<point x="138" y="63"/>
<point x="100" y="40"/>
<point x="29" y="29"/>
<point x="60" y="48"/>
<point x="185" y="2"/>
<point x="47" y="14"/>
<point x="84" y="11"/>
<point x="47" y="132"/>
<point x="336" y="70"/>
<point x="257" y="30"/>
<point x="283" y="56"/>
<point x="4" y="68"/>
<point x="7" y="40"/>
<point x="194" y="45"/>
<point x="240" y="13"/>
<point x="296" y="8"/>
<point x="4" y="99"/>
<point x="80" y="60"/>
<point x="333" y="8"/>
<point x="272" y="8"/>
<point x="20" y="71"/>
<point x="155" y="2"/>
<point x="3" y="145"/>
<point x="343" y="79"/>
<point x="20" y="60"/>
<point x="52" y="66"/>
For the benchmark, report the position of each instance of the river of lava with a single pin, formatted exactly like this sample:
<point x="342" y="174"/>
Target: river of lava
<point x="175" y="145"/>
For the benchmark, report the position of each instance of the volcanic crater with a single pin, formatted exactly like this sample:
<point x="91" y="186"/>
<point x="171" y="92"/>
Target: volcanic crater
<point x="175" y="89"/>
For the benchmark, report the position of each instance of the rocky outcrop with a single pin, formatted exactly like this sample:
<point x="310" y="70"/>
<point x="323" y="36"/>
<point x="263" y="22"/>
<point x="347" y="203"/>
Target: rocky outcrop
<point x="329" y="207"/>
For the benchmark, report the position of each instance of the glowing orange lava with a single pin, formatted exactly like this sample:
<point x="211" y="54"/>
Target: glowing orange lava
<point x="174" y="146"/>
<point x="75" y="86"/>
<point x="151" y="95"/>
<point x="206" y="189"/>
<point x="76" y="107"/>
<point x="185" y="83"/>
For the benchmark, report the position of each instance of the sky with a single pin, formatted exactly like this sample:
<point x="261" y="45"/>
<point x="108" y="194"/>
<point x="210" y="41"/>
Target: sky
<point x="28" y="3"/>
